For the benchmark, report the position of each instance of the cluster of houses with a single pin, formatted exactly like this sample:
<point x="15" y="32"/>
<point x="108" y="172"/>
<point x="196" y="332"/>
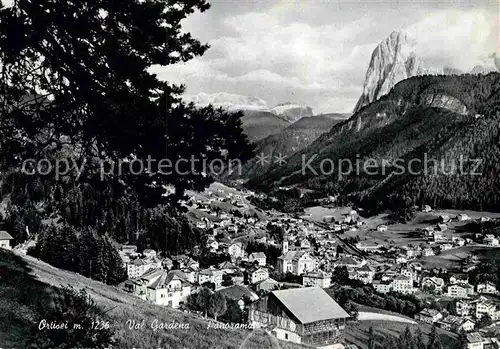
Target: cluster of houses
<point x="302" y="312"/>
<point x="297" y="311"/>
<point x="306" y="315"/>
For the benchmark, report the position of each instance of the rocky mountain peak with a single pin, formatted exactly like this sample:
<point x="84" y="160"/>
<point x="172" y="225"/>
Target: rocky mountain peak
<point x="393" y="60"/>
<point x="291" y="112"/>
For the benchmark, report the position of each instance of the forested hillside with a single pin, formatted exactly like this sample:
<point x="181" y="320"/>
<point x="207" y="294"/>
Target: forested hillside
<point x="451" y="119"/>
<point x="29" y="201"/>
<point x="84" y="131"/>
<point x="288" y="141"/>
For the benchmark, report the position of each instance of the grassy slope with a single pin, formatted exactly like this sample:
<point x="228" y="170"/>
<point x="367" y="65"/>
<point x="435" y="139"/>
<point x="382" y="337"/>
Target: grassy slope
<point x="29" y="277"/>
<point x="357" y="333"/>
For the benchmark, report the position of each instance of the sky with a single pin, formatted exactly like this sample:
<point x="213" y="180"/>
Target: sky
<point x="316" y="52"/>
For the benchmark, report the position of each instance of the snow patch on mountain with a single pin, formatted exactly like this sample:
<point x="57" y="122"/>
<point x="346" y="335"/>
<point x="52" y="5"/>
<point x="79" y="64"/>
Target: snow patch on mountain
<point x="290" y="112"/>
<point x="227" y="101"/>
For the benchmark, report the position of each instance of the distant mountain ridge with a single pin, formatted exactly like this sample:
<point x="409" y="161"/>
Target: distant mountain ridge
<point x="289" y="140"/>
<point x="288" y="111"/>
<point x="291" y="112"/>
<point x="228" y="101"/>
<point x="258" y="124"/>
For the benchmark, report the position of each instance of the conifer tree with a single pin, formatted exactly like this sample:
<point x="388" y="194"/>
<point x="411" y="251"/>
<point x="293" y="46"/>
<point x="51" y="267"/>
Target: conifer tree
<point x="434" y="340"/>
<point x="419" y="339"/>
<point x="371" y="338"/>
<point x="70" y="84"/>
<point x="406" y="339"/>
<point x="217" y="305"/>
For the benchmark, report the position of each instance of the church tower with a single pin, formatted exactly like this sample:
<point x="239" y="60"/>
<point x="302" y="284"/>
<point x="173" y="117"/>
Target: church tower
<point x="284" y="246"/>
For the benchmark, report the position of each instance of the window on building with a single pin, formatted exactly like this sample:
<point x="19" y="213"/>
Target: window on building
<point x="286" y="335"/>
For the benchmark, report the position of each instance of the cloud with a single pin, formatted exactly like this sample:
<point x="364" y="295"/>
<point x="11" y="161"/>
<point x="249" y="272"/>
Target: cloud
<point x="316" y="53"/>
<point x="280" y="61"/>
<point x="455" y="37"/>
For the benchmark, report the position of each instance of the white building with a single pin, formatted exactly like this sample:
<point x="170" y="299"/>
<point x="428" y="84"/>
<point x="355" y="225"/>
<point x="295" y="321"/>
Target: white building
<point x="170" y="289"/>
<point x="210" y="275"/>
<point x="460" y="290"/>
<point x="161" y="287"/>
<point x="464" y="307"/>
<point x="129" y="250"/>
<point x="235" y="250"/>
<point x="368" y="246"/>
<point x="307" y="316"/>
<point x="486" y="287"/>
<point x="429" y="316"/>
<point x="137" y="267"/>
<point x="483" y="306"/>
<point x="319" y="279"/>
<point x="5" y="240"/>
<point x="475" y="341"/>
<point x="256" y="275"/>
<point x="382" y="286"/>
<point x="364" y="274"/>
<point x="433" y="284"/>
<point x="212" y="245"/>
<point x="259" y="257"/>
<point x="149" y="253"/>
<point x="491" y="240"/>
<point x="427" y="252"/>
<point x="463" y="217"/>
<point x="403" y="284"/>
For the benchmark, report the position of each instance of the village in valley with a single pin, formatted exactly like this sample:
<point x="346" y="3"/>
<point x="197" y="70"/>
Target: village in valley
<point x="282" y="272"/>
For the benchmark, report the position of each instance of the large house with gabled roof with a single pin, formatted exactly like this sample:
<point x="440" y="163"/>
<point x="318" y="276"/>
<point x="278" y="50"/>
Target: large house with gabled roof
<point x="259" y="257"/>
<point x="5" y="240"/>
<point x="158" y="286"/>
<point x="305" y="315"/>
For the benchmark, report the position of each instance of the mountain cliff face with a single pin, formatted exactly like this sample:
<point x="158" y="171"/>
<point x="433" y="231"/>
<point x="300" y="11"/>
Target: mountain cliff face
<point x="291" y="112"/>
<point x="452" y="120"/>
<point x="392" y="61"/>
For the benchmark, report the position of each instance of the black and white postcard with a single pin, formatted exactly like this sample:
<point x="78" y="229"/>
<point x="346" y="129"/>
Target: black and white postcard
<point x="249" y="174"/>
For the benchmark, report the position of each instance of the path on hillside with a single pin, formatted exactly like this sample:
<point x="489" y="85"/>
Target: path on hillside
<point x="364" y="316"/>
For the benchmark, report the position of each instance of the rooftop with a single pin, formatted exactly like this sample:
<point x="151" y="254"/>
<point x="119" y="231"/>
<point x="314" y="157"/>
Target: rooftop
<point x="237" y="292"/>
<point x="5" y="236"/>
<point x="474" y="337"/>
